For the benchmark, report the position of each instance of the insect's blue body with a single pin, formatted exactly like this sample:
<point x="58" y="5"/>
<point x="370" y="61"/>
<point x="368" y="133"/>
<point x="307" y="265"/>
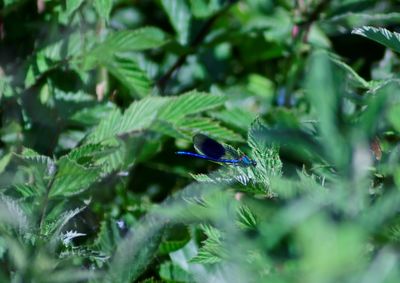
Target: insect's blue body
<point x="212" y="150"/>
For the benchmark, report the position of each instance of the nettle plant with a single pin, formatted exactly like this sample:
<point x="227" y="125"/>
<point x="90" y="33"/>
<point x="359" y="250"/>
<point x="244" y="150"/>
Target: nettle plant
<point x="88" y="119"/>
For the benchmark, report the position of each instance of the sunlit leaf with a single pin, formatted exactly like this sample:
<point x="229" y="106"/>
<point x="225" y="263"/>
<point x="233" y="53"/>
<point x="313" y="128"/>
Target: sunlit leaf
<point x="179" y="16"/>
<point x="380" y="35"/>
<point x="72" y="178"/>
<point x="103" y="7"/>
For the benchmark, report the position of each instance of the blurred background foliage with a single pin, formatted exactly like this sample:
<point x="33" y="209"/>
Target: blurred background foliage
<point x="97" y="95"/>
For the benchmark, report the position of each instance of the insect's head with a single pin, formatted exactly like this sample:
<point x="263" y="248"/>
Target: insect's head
<point x="246" y="161"/>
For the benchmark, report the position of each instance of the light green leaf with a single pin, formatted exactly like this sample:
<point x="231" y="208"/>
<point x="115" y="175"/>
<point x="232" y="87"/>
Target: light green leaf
<point x="138" y="116"/>
<point x="108" y="237"/>
<point x="12" y="213"/>
<point x="51" y="56"/>
<point x="26" y="190"/>
<point x="380" y="35"/>
<point x="72" y="6"/>
<point x="55" y="226"/>
<point x="236" y="117"/>
<point x="4" y="161"/>
<point x="128" y="40"/>
<point x="261" y="86"/>
<point x="350" y="20"/>
<point x="265" y="153"/>
<point x="128" y="72"/>
<point x="247" y="219"/>
<point x="172" y="272"/>
<point x="168" y="129"/>
<point x="179" y="16"/>
<point x="189" y="103"/>
<point x="11" y="2"/>
<point x="208" y="127"/>
<point x="171" y="246"/>
<point x="85" y="152"/>
<point x="138" y="248"/>
<point x="354" y="77"/>
<point x="141" y="114"/>
<point x="39" y="65"/>
<point x="204" y="8"/>
<point x="103" y="8"/>
<point x="115" y="160"/>
<point x="394" y="117"/>
<point x="6" y="88"/>
<point x="324" y="90"/>
<point x="71" y="275"/>
<point x="212" y="250"/>
<point x="38" y="168"/>
<point x="72" y="178"/>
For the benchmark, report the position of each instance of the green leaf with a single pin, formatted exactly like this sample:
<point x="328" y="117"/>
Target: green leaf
<point x="172" y="272"/>
<point x="189" y="103"/>
<point x="212" y="250"/>
<point x="378" y="107"/>
<point x="11" y="2"/>
<point x="179" y="16"/>
<point x="116" y="160"/>
<point x="11" y="212"/>
<point x="72" y="6"/>
<point x="208" y="127"/>
<point x="137" y="117"/>
<point x="350" y="20"/>
<point x="168" y="129"/>
<point x="72" y="178"/>
<point x="71" y="275"/>
<point x="141" y="114"/>
<point x="204" y="8"/>
<point x="26" y="190"/>
<point x="38" y="65"/>
<point x="324" y="92"/>
<point x="139" y="248"/>
<point x="128" y="72"/>
<point x="261" y="86"/>
<point x="394" y="117"/>
<point x="265" y="154"/>
<point x="55" y="226"/>
<point x="247" y="219"/>
<point x="103" y="8"/>
<point x="236" y="117"/>
<point x="171" y="246"/>
<point x="126" y="40"/>
<point x="328" y="258"/>
<point x="39" y="169"/>
<point x="380" y="35"/>
<point x="86" y="153"/>
<point x="52" y="55"/>
<point x="355" y="78"/>
<point x="6" y="89"/>
<point x="108" y="237"/>
<point x="4" y="161"/>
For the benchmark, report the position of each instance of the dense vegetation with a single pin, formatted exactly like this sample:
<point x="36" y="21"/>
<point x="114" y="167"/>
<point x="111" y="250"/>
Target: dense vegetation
<point x="98" y="95"/>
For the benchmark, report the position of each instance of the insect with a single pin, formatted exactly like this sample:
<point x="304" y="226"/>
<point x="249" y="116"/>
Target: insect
<point x="212" y="150"/>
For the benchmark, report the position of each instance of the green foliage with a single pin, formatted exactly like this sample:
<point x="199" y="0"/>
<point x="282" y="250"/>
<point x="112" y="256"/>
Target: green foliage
<point x="211" y="251"/>
<point x="179" y="17"/>
<point x="96" y="96"/>
<point x="381" y="35"/>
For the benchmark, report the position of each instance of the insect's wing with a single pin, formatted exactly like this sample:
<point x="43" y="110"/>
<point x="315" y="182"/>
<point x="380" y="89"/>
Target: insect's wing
<point x="208" y="146"/>
<point x="231" y="152"/>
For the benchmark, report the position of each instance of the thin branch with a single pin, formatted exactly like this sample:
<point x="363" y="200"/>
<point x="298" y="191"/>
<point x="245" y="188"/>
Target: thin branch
<point x="312" y="17"/>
